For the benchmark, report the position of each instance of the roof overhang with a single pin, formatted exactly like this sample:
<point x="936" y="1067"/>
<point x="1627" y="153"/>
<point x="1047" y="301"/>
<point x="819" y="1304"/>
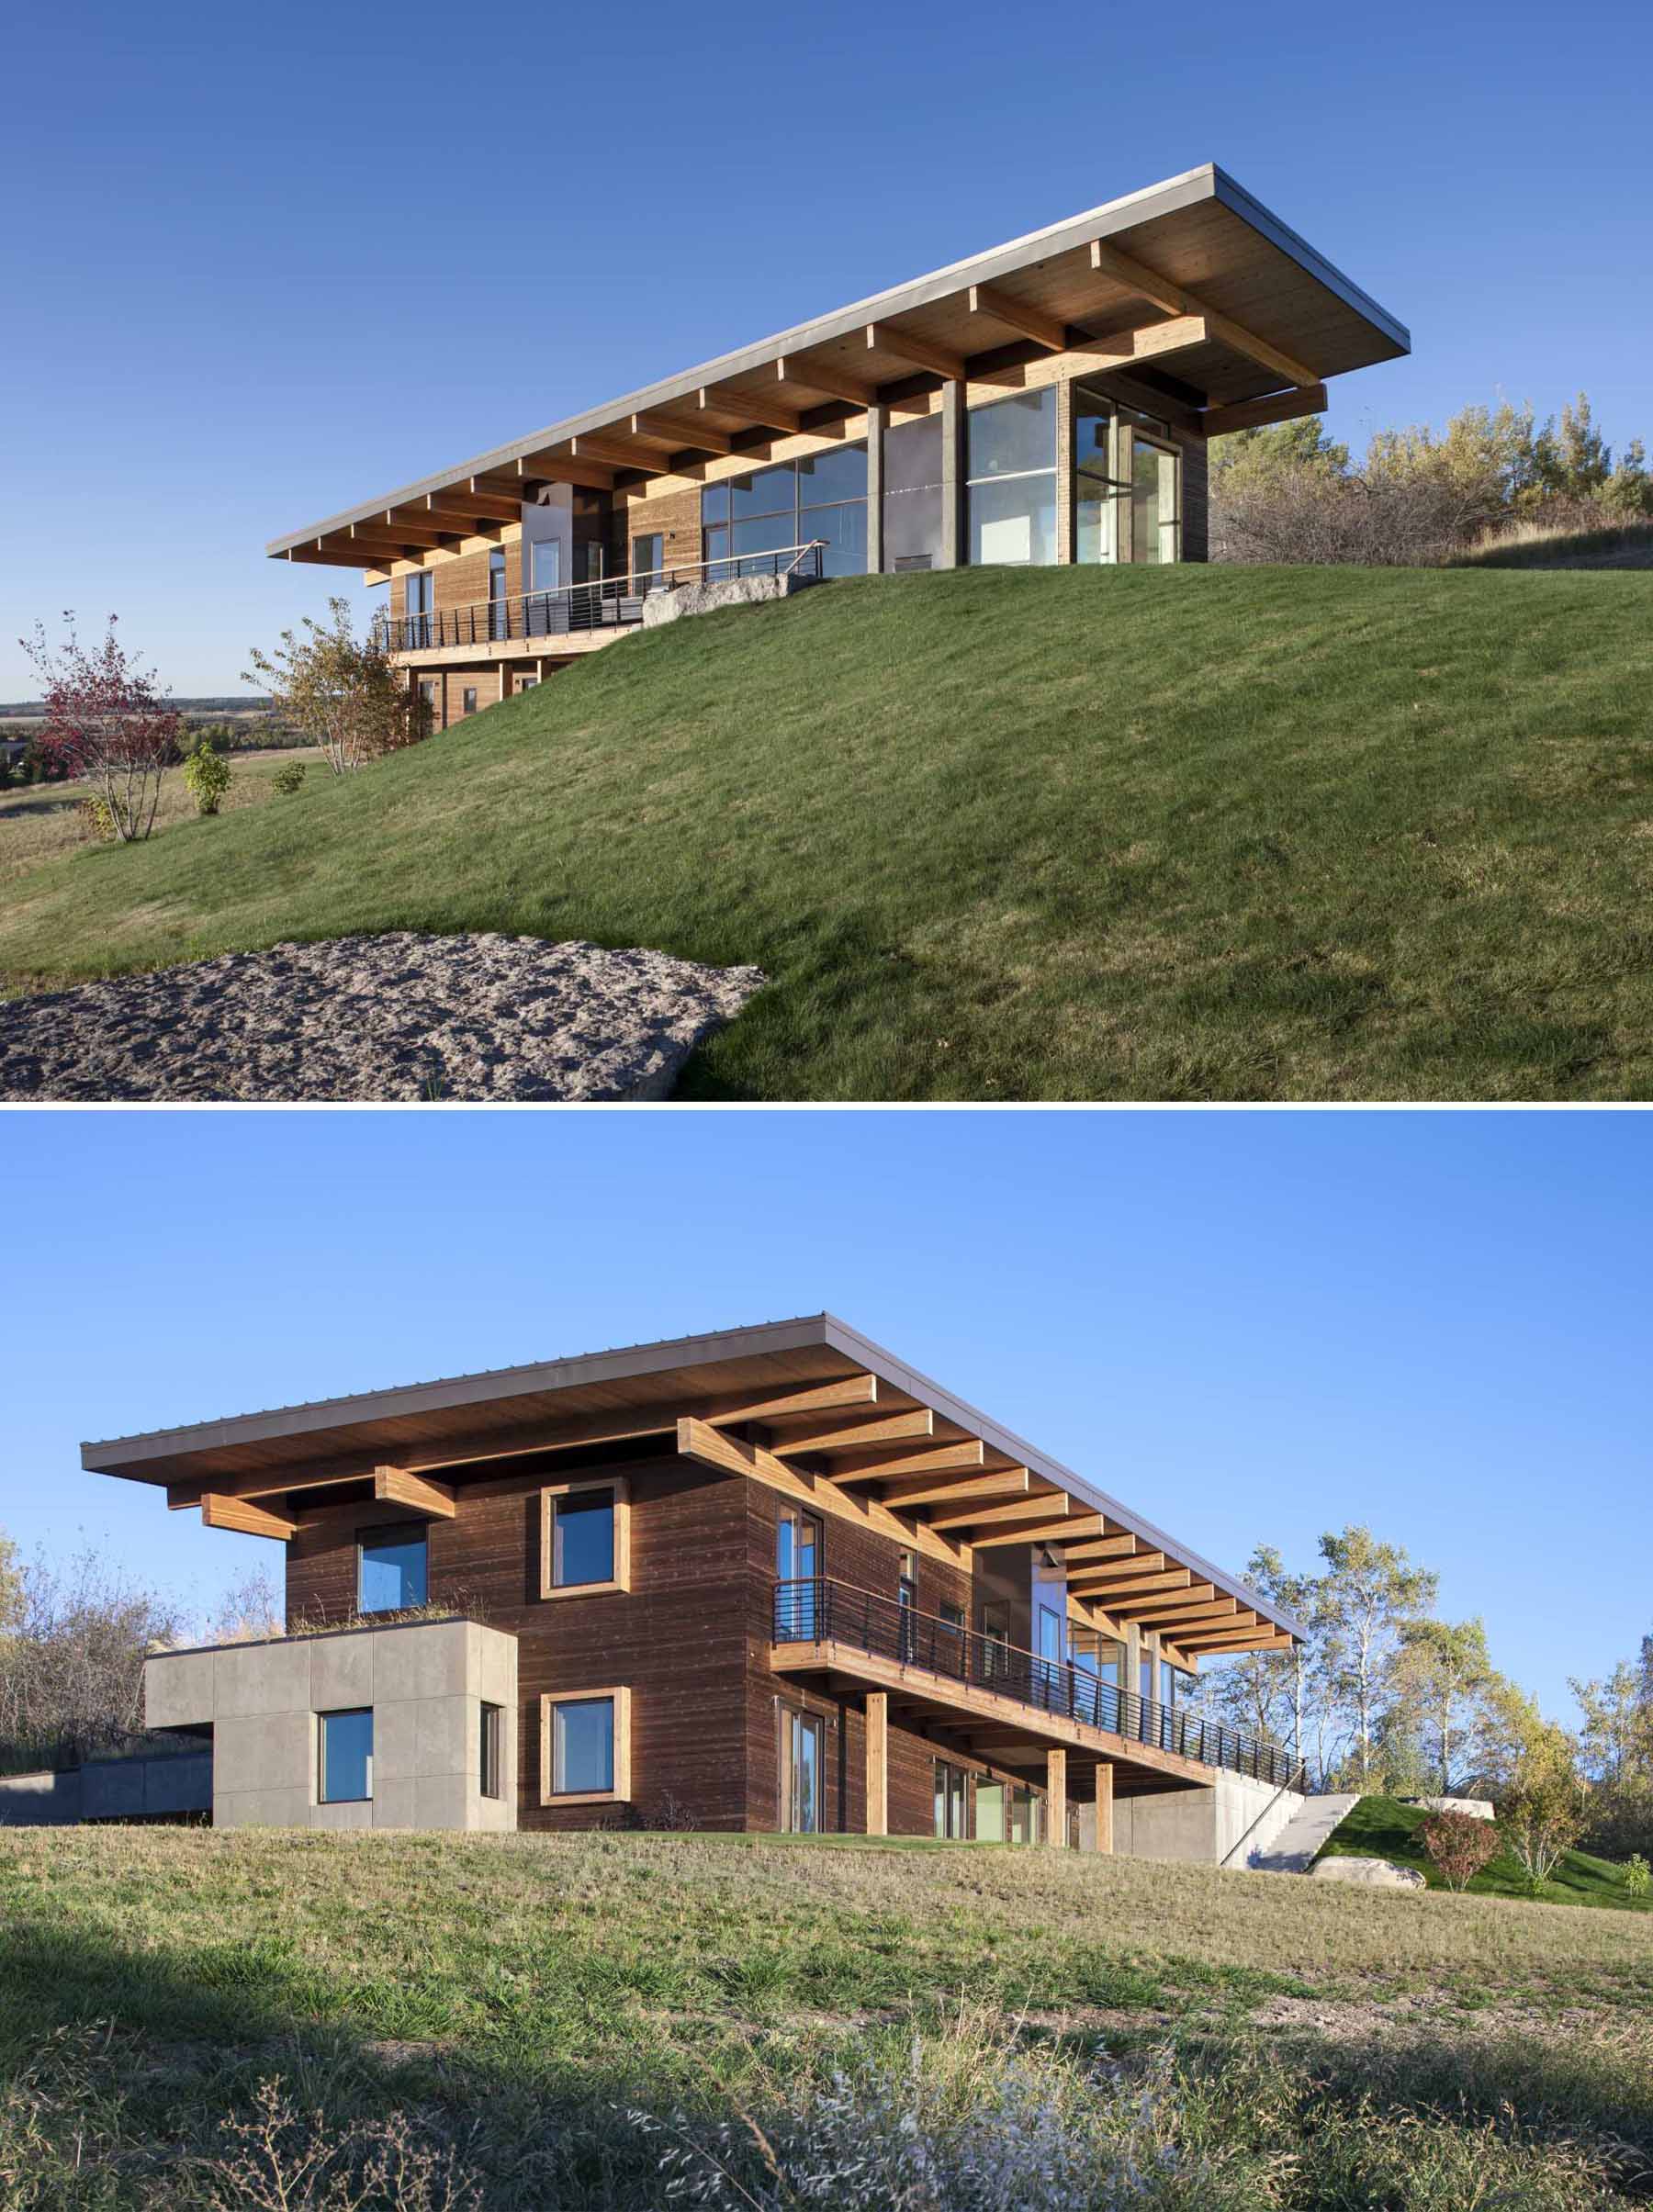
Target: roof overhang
<point x="811" y="1394"/>
<point x="1191" y="284"/>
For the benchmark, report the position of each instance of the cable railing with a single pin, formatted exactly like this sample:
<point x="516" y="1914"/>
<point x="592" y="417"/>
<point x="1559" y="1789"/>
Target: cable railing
<point x="605" y="603"/>
<point x="820" y="1611"/>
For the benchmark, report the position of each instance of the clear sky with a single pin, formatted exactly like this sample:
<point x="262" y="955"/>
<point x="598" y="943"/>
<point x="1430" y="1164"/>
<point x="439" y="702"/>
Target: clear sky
<point x="258" y="265"/>
<point x="1249" y="1326"/>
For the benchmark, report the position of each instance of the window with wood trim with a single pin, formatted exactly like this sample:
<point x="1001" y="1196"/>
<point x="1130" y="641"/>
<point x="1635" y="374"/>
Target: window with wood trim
<point x="585" y="1747"/>
<point x="585" y="1537"/>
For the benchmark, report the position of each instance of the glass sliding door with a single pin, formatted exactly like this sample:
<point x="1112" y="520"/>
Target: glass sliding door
<point x="798" y="1564"/>
<point x="802" y="1763"/>
<point x="1100" y="495"/>
<point x="418" y="600"/>
<point x="911" y="500"/>
<point x="951" y="1824"/>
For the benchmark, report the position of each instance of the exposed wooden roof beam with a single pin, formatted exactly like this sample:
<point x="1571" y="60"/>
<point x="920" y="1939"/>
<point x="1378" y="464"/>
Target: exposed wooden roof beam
<point x="847" y="1436"/>
<point x="816" y="377"/>
<point x="883" y="338"/>
<point x="563" y="468"/>
<point x="1101" y="1547"/>
<point x="1149" y="341"/>
<point x="878" y="1464"/>
<point x="1039" y="1532"/>
<point x="1201" y="1643"/>
<point x="709" y="1447"/>
<point x="490" y="506"/>
<point x="399" y="1486"/>
<point x="1123" y="268"/>
<point x="1258" y="414"/>
<point x="1028" y="322"/>
<point x="244" y="1518"/>
<point x="809" y="1398"/>
<point x="1121" y="1594"/>
<point x="1197" y="1593"/>
<point x="987" y="1487"/>
<point x="1046" y="1505"/>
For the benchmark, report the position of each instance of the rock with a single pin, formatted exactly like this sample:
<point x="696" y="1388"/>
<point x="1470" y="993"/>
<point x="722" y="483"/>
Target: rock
<point x="707" y="597"/>
<point x="1367" y="1873"/>
<point x="1478" y="1808"/>
<point x="399" y="1017"/>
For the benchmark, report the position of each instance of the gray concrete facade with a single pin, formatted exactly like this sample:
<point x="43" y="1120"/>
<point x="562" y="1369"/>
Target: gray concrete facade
<point x="425" y="1683"/>
<point x="1203" y="1825"/>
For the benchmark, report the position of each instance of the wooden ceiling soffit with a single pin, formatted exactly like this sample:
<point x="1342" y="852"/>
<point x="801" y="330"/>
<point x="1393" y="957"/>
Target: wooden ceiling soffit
<point x="563" y="468"/>
<point x="1026" y="321"/>
<point x="891" y="1461"/>
<point x="479" y="506"/>
<point x="619" y="456"/>
<point x="246" y="1519"/>
<point x="709" y="1447"/>
<point x="847" y="1436"/>
<point x="1259" y="414"/>
<point x="818" y="377"/>
<point x="677" y="437"/>
<point x="1146" y="342"/>
<point x="754" y="408"/>
<point x="1124" y="269"/>
<point x="884" y="338"/>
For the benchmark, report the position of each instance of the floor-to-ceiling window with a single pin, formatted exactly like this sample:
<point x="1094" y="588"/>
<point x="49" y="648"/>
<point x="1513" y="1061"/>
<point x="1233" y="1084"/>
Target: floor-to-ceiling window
<point x="1155" y="500"/>
<point x="792" y="503"/>
<point x="797" y="1566"/>
<point x="951" y="1819"/>
<point x="911" y="500"/>
<point x="1099" y="490"/>
<point x="802" y="1762"/>
<point x="418" y="601"/>
<point x="1011" y="474"/>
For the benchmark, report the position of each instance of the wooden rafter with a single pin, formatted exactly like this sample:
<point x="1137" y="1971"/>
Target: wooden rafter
<point x="1108" y="261"/>
<point x="1039" y="1532"/>
<point x="887" y="1461"/>
<point x="244" y="1518"/>
<point x="563" y="468"/>
<point x="665" y="429"/>
<point x="766" y="414"/>
<point x="619" y="456"/>
<point x="848" y="1436"/>
<point x="709" y="1447"/>
<point x="1258" y="414"/>
<point x="1048" y="331"/>
<point x="1103" y="1547"/>
<point x="810" y="1398"/>
<point x="1045" y="1505"/>
<point x="883" y="338"/>
<point x="817" y="376"/>
<point x="396" y="1485"/>
<point x="985" y="1487"/>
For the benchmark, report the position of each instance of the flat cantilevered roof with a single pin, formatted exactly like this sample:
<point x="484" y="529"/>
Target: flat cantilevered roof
<point x="820" y="1399"/>
<point x="1191" y="284"/>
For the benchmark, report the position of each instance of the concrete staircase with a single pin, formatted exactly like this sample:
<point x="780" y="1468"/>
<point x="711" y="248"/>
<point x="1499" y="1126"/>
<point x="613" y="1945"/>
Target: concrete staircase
<point x="1292" y="1852"/>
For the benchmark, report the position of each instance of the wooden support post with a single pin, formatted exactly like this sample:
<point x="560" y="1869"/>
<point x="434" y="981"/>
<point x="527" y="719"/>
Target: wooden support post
<point x="1056" y="1799"/>
<point x="878" y="420"/>
<point x="953" y="475"/>
<point x="1105" y="1806"/>
<point x="878" y="1762"/>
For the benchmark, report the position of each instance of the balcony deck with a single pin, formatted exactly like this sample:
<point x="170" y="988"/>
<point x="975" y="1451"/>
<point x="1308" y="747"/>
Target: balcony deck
<point x="997" y="1703"/>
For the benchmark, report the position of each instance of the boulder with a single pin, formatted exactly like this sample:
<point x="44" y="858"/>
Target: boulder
<point x="1367" y="1873"/>
<point x="1478" y="1808"/>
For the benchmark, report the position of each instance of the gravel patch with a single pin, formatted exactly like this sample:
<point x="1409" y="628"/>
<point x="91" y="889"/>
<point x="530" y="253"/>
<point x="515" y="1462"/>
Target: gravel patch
<point x="400" y="1016"/>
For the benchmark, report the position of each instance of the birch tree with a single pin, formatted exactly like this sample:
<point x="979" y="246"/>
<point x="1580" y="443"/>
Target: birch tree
<point x="1369" y="1591"/>
<point x="341" y="693"/>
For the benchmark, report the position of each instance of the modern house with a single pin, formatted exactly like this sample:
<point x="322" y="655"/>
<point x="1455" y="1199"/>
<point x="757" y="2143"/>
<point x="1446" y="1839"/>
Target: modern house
<point x="768" y="1580"/>
<point x="1049" y="400"/>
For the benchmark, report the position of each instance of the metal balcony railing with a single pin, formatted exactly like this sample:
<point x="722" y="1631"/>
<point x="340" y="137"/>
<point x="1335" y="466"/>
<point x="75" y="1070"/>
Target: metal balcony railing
<point x="819" y="1611"/>
<point x="615" y="603"/>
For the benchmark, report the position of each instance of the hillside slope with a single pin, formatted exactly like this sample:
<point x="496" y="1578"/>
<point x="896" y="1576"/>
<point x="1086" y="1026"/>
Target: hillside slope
<point x="1084" y="833"/>
<point x="556" y="2013"/>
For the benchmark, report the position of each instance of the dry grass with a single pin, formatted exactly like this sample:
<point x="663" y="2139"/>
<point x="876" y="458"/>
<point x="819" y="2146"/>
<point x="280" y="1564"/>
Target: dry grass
<point x="40" y="821"/>
<point x="560" y="2022"/>
<point x="1536" y="543"/>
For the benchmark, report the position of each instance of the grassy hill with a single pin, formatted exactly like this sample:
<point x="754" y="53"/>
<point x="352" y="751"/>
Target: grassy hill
<point x="1382" y="1827"/>
<point x="1084" y="833"/>
<point x="543" y="2020"/>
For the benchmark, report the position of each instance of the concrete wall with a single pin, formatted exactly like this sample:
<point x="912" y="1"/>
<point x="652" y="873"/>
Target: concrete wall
<point x="109" y="1789"/>
<point x="425" y="1683"/>
<point x="1203" y="1825"/>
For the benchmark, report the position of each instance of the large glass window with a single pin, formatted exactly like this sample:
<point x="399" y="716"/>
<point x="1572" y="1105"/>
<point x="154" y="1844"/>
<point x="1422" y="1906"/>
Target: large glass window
<point x="990" y="1811"/>
<point x="792" y="503"/>
<point x="345" y="1762"/>
<point x="912" y="503"/>
<point x="545" y="564"/>
<point x="1155" y="520"/>
<point x="950" y="1801"/>
<point x="582" y="1538"/>
<point x="391" y="1568"/>
<point x="418" y="600"/>
<point x="797" y="1564"/>
<point x="1098" y="493"/>
<point x="1012" y="481"/>
<point x="498" y="618"/>
<point x="582" y="1735"/>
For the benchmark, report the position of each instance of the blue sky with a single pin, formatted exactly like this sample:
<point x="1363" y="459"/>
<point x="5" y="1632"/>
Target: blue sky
<point x="259" y="265"/>
<point x="1250" y="1326"/>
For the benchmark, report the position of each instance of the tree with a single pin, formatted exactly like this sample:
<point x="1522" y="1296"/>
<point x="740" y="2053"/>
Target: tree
<point x="106" y="721"/>
<point x="341" y="693"/>
<point x="74" y="1679"/>
<point x="1443" y="1669"/>
<point x="1369" y="1591"/>
<point x="1541" y="1816"/>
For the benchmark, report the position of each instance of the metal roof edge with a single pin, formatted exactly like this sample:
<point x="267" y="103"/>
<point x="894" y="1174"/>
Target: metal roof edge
<point x="1234" y="196"/>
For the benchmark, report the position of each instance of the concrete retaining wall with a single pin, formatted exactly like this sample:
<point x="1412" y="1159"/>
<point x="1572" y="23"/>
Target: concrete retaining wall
<point x="109" y="1789"/>
<point x="1203" y="1825"/>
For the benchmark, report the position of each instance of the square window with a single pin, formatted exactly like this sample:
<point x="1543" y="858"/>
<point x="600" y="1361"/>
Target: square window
<point x="585" y="1746"/>
<point x="345" y="1765"/>
<point x="585" y="1538"/>
<point x="391" y="1568"/>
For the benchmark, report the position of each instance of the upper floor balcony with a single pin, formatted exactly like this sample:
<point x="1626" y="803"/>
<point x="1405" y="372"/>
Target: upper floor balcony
<point x="952" y="1671"/>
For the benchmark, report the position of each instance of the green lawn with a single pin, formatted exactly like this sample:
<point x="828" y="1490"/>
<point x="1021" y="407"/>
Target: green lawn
<point x="536" y="2011"/>
<point x="1198" y="833"/>
<point x="1382" y="1827"/>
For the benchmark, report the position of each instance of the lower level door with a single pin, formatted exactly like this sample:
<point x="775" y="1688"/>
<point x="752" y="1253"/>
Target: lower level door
<point x="803" y="1760"/>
